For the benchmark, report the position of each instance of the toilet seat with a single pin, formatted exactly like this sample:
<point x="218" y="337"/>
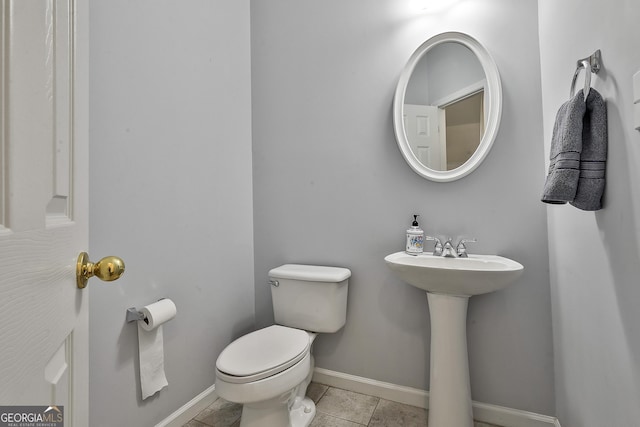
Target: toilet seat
<point x="262" y="353"/>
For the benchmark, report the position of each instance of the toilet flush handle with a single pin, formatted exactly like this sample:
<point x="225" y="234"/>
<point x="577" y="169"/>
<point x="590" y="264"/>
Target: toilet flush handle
<point x="274" y="282"/>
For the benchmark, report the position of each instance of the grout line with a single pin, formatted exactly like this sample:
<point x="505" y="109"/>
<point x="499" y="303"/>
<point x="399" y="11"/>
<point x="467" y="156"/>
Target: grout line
<point x="324" y="392"/>
<point x="374" y="411"/>
<point x="345" y="419"/>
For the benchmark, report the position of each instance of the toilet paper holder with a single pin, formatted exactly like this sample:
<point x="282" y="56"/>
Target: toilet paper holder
<point x="133" y="315"/>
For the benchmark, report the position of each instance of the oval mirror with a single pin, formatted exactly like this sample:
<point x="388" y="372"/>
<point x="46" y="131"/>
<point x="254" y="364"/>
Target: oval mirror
<point x="447" y="107"/>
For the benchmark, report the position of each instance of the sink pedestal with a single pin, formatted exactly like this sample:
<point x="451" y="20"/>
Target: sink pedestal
<point x="449" y="283"/>
<point x="449" y="387"/>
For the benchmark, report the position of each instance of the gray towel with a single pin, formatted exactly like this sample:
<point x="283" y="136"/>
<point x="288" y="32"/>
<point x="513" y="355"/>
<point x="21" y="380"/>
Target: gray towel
<point x="578" y="153"/>
<point x="566" y="143"/>
<point x="593" y="156"/>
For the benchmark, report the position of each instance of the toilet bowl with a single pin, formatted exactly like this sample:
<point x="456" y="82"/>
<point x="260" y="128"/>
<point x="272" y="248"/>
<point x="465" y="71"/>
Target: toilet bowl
<point x="268" y="370"/>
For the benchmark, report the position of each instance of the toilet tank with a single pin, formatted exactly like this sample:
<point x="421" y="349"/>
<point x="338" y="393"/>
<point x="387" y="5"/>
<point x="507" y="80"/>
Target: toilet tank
<point x="310" y="297"/>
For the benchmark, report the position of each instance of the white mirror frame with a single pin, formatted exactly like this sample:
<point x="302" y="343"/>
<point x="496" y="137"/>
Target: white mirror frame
<point x="494" y="95"/>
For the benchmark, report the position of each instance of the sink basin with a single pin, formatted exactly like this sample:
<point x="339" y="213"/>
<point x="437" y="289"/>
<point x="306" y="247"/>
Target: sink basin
<point x="475" y="275"/>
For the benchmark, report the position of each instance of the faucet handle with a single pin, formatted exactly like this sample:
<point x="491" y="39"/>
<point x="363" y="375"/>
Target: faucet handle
<point x="437" y="249"/>
<point x="461" y="249"/>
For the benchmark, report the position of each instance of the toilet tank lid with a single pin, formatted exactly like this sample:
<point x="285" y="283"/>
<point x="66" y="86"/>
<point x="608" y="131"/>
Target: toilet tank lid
<point x="311" y="273"/>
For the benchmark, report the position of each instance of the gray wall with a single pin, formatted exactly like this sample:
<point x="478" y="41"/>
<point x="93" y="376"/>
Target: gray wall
<point x="445" y="69"/>
<point x="595" y="256"/>
<point x="170" y="161"/>
<point x="451" y="67"/>
<point x="331" y="187"/>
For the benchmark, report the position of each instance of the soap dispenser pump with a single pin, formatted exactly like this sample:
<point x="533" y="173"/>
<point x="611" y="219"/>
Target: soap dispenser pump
<point x="415" y="238"/>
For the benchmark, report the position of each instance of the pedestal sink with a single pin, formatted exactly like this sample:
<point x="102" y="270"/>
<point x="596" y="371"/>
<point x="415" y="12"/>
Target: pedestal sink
<point x="449" y="283"/>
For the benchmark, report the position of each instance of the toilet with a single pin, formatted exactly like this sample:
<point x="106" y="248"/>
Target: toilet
<point x="268" y="370"/>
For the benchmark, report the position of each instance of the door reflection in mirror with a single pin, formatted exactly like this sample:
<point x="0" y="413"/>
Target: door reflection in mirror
<point x="444" y="111"/>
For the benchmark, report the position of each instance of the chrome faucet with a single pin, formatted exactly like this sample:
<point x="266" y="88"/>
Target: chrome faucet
<point x="446" y="249"/>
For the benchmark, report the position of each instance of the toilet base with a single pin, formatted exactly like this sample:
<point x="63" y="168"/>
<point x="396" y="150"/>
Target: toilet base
<point x="302" y="412"/>
<point x="276" y="413"/>
<point x="267" y="413"/>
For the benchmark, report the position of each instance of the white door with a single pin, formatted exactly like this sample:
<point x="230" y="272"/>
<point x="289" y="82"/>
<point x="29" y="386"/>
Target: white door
<point x="44" y="205"/>
<point x="421" y="124"/>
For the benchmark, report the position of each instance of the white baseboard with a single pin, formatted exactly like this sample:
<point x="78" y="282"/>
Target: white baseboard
<point x="190" y="409"/>
<point x="492" y="414"/>
<point x="396" y="393"/>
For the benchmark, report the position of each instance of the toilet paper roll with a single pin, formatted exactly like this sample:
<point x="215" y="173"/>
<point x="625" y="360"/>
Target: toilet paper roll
<point x="157" y="313"/>
<point x="151" y="346"/>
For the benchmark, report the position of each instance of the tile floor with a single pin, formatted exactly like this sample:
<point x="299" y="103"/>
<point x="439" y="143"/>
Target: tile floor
<point x="334" y="408"/>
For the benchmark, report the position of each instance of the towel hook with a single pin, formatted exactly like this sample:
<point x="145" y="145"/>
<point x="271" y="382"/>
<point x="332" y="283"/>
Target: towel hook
<point x="591" y="64"/>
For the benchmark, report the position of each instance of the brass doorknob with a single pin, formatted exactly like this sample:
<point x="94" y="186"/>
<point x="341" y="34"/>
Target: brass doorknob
<point x="107" y="269"/>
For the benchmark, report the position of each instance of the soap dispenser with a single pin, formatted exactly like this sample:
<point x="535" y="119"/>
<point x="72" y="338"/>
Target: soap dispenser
<point x="415" y="238"/>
